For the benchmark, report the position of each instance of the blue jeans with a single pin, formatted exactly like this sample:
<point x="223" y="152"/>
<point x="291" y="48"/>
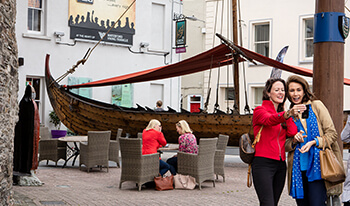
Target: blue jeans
<point x="173" y="165"/>
<point x="164" y="167"/>
<point x="315" y="193"/>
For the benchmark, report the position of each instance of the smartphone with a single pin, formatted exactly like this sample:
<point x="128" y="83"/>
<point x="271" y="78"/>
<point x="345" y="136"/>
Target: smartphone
<point x="305" y="114"/>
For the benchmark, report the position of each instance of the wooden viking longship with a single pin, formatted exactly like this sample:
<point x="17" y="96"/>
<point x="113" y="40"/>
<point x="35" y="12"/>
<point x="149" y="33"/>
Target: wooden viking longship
<point x="81" y="114"/>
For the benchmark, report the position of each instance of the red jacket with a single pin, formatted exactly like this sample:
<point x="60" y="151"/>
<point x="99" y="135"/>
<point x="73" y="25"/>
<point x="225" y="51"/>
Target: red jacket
<point x="273" y="135"/>
<point x="151" y="141"/>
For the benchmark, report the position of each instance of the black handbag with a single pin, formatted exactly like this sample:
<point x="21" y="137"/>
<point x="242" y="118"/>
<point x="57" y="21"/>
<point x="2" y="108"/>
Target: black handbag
<point x="246" y="148"/>
<point x="247" y="152"/>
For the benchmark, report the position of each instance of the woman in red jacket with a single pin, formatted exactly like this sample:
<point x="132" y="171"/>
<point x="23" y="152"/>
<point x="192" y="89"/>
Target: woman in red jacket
<point x="152" y="139"/>
<point x="269" y="166"/>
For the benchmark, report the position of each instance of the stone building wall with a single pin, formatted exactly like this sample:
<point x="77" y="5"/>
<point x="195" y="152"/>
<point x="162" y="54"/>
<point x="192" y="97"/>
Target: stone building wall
<point x="8" y="96"/>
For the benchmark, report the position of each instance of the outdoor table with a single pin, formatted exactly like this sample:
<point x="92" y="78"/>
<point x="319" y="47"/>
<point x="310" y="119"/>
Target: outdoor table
<point x="170" y="147"/>
<point x="75" y="150"/>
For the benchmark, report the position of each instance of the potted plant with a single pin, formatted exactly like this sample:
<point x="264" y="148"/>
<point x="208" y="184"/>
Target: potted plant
<point x="57" y="123"/>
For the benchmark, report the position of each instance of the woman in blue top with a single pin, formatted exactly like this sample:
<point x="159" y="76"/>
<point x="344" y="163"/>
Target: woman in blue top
<point x="315" y="125"/>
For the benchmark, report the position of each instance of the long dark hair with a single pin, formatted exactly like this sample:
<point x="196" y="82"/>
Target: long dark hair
<point x="267" y="89"/>
<point x="308" y="95"/>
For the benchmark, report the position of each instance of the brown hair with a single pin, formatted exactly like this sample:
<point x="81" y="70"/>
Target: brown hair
<point x="267" y="89"/>
<point x="159" y="103"/>
<point x="308" y="95"/>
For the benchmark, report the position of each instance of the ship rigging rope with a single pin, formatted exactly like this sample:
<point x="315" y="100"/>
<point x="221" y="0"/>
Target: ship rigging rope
<point x="89" y="51"/>
<point x="217" y="106"/>
<point x="246" y="108"/>
<point x="228" y="67"/>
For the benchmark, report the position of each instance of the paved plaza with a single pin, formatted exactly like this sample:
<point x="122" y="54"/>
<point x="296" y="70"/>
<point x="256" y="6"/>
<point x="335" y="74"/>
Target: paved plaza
<point x="71" y="186"/>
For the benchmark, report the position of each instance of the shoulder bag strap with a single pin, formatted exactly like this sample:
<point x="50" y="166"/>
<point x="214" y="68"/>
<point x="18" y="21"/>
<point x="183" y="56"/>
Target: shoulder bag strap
<point x="249" y="177"/>
<point x="257" y="138"/>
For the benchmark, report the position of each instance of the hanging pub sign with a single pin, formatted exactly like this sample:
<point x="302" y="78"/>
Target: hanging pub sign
<point x="91" y="19"/>
<point x="344" y="26"/>
<point x="180" y="33"/>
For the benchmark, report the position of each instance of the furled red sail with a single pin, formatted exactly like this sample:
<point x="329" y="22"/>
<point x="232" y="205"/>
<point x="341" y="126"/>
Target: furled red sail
<point x="218" y="56"/>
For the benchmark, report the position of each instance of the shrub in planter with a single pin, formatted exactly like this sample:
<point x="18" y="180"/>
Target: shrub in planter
<point x="57" y="123"/>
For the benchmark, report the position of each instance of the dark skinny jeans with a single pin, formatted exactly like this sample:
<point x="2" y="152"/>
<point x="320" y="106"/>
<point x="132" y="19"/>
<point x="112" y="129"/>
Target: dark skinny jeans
<point x="269" y="177"/>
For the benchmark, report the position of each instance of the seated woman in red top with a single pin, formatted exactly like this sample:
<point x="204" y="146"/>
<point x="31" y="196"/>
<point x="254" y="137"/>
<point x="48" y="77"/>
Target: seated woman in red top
<point x="152" y="139"/>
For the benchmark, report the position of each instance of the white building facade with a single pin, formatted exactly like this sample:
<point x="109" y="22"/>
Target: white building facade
<point x="267" y="26"/>
<point x="144" y="40"/>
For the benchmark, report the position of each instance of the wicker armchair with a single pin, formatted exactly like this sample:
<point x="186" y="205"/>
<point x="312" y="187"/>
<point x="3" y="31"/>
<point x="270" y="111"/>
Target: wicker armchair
<point x="95" y="152"/>
<point x="220" y="156"/>
<point x="50" y="149"/>
<point x="135" y="166"/>
<point x="201" y="165"/>
<point x="114" y="148"/>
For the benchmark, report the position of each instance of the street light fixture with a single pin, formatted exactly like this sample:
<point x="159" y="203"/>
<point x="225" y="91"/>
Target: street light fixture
<point x="178" y="17"/>
<point x="193" y="18"/>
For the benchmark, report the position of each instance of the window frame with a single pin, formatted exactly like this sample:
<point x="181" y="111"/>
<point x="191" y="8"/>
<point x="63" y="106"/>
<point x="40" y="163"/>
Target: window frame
<point x="43" y="17"/>
<point x="40" y="94"/>
<point x="302" y="39"/>
<point x="252" y="27"/>
<point x="226" y="90"/>
<point x="251" y="94"/>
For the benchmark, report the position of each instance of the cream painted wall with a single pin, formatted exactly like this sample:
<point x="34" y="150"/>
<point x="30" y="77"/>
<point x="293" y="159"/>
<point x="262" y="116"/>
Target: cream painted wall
<point x="193" y="84"/>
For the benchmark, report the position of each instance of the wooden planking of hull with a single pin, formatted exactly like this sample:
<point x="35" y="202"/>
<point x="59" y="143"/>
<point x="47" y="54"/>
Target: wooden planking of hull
<point x="81" y="114"/>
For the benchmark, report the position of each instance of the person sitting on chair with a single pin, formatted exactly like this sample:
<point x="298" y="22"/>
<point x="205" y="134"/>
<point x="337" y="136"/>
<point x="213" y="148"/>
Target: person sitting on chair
<point x="152" y="139"/>
<point x="187" y="142"/>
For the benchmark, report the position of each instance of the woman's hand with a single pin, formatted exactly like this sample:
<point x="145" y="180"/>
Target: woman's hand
<point x="299" y="137"/>
<point x="297" y="109"/>
<point x="307" y="146"/>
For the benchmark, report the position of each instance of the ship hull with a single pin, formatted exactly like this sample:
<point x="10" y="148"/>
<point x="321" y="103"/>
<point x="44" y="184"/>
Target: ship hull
<point x="80" y="115"/>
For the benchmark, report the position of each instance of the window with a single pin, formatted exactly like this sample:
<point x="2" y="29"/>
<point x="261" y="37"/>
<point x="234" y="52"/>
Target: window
<point x="261" y="39"/>
<point x="122" y="95"/>
<point x="85" y="92"/>
<point x="308" y="39"/>
<point x="35" y="15"/>
<point x="37" y="84"/>
<point x="230" y="93"/>
<point x="258" y="94"/>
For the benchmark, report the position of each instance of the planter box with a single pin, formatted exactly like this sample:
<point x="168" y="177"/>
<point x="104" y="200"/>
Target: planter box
<point x="58" y="133"/>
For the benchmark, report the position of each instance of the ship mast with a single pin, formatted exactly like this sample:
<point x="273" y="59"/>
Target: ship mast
<point x="235" y="64"/>
<point x="328" y="67"/>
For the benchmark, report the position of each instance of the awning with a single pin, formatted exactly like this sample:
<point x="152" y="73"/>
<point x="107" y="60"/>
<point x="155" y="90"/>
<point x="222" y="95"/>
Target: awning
<point x="218" y="56"/>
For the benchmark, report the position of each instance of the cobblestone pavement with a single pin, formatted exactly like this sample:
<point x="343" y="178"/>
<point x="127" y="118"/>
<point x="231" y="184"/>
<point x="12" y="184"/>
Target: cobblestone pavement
<point x="71" y="186"/>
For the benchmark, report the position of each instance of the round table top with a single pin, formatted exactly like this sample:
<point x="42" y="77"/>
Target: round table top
<point x="169" y="148"/>
<point x="74" y="139"/>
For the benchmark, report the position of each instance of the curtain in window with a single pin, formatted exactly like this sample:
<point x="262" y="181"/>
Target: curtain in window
<point x="262" y="37"/>
<point x="309" y="37"/>
<point x="34" y="15"/>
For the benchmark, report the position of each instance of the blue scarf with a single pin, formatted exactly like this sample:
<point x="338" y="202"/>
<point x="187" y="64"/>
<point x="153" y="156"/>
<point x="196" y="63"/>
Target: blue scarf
<point x="313" y="171"/>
